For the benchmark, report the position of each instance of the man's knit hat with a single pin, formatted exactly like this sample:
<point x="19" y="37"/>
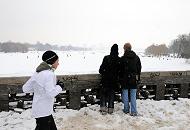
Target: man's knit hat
<point x="49" y="57"/>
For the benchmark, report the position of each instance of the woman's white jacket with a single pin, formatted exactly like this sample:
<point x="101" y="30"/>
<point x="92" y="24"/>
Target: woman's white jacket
<point x="43" y="85"/>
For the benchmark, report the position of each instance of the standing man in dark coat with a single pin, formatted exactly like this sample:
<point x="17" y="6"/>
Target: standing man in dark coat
<point x="109" y="71"/>
<point x="129" y="76"/>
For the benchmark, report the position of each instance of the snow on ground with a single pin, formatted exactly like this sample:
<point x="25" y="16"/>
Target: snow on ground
<point x="154" y="115"/>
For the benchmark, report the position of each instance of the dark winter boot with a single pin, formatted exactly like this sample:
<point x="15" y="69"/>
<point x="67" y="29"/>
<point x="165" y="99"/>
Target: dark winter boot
<point x="103" y="110"/>
<point x="110" y="110"/>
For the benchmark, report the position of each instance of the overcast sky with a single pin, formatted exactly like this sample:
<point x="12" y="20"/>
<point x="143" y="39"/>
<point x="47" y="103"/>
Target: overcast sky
<point x="94" y="22"/>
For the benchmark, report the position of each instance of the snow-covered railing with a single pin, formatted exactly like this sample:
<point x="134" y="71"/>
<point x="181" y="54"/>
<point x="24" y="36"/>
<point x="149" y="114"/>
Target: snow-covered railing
<point x="83" y="90"/>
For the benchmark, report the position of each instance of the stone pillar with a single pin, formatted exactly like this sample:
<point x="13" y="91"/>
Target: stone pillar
<point x="184" y="90"/>
<point x="74" y="100"/>
<point x="160" y="91"/>
<point x="4" y="98"/>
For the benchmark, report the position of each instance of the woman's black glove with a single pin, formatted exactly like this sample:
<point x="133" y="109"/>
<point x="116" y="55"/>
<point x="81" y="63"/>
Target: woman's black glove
<point x="60" y="83"/>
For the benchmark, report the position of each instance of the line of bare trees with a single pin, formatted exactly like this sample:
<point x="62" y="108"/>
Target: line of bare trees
<point x="13" y="47"/>
<point x="157" y="50"/>
<point x="179" y="47"/>
<point x="25" y="47"/>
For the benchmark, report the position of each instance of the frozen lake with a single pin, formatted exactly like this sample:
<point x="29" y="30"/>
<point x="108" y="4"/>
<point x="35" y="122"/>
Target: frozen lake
<point x="80" y="62"/>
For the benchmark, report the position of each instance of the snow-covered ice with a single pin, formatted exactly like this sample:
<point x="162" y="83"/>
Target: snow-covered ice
<point x="80" y="62"/>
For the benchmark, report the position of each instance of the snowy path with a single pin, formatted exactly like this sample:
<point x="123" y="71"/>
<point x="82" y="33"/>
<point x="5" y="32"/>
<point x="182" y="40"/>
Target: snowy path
<point x="156" y="115"/>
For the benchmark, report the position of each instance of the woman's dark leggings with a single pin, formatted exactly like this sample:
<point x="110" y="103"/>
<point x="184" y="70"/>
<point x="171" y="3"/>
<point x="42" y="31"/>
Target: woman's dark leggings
<point x="107" y="97"/>
<point x="45" y="123"/>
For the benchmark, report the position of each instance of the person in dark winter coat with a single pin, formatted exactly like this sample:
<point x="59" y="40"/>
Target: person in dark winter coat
<point x="43" y="84"/>
<point x="109" y="71"/>
<point x="129" y="76"/>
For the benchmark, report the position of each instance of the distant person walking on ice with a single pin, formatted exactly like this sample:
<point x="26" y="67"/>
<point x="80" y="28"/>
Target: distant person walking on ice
<point x="109" y="71"/>
<point x="43" y="85"/>
<point x="129" y="76"/>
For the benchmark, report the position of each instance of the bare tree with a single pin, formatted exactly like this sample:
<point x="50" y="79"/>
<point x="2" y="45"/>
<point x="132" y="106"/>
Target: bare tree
<point x="181" y="46"/>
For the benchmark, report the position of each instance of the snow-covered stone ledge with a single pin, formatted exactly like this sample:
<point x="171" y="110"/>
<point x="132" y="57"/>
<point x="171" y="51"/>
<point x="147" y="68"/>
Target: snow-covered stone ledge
<point x="158" y="85"/>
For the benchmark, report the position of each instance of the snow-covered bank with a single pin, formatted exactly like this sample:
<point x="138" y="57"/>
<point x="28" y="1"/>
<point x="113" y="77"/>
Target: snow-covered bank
<point x="156" y="115"/>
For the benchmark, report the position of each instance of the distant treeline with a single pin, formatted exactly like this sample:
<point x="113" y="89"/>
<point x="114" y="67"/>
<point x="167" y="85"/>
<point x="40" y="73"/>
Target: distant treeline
<point x="179" y="47"/>
<point x="25" y="47"/>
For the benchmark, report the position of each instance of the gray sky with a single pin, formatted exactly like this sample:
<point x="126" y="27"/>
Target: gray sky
<point x="94" y="22"/>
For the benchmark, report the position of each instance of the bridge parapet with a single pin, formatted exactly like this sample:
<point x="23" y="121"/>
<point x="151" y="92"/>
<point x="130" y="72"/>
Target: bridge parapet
<point x="83" y="89"/>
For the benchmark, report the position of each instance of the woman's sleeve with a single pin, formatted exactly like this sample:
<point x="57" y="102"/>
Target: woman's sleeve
<point x="28" y="86"/>
<point x="102" y="66"/>
<point x="51" y="88"/>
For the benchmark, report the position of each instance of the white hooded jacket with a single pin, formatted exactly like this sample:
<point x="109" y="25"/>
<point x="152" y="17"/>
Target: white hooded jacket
<point x="43" y="85"/>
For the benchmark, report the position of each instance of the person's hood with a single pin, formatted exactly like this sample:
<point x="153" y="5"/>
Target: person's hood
<point x="130" y="54"/>
<point x="43" y="66"/>
<point x="114" y="50"/>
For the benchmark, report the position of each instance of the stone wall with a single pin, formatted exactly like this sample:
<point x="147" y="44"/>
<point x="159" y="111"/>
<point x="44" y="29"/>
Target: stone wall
<point x="83" y="89"/>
